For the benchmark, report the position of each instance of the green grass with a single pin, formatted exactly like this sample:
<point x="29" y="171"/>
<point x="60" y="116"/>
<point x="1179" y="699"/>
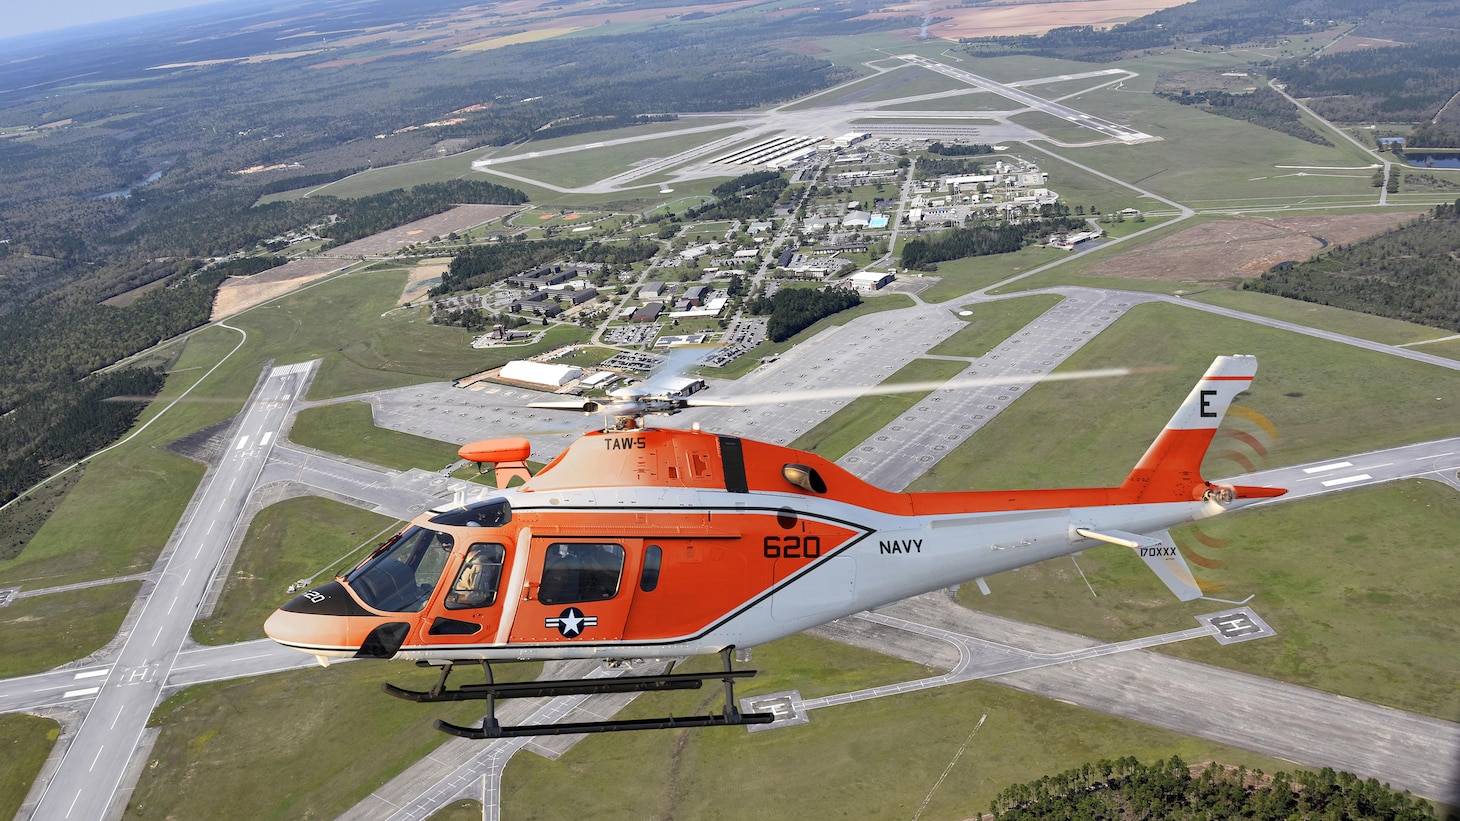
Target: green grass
<point x="1326" y="399"/>
<point x="1357" y="585"/>
<point x="994" y="322"/>
<point x="25" y="742"/>
<point x="975" y="100"/>
<point x="347" y="429"/>
<point x="850" y="426"/>
<point x="751" y="360"/>
<point x="45" y="631"/>
<point x="20" y="521"/>
<point x="1208" y="161"/>
<point x="292" y="540"/>
<point x="1449" y="349"/>
<point x="1324" y="317"/>
<point x="871" y="759"/>
<point x="589" y="165"/>
<point x="462" y="809"/>
<point x="962" y="276"/>
<point x="305" y="744"/>
<point x="1077" y="186"/>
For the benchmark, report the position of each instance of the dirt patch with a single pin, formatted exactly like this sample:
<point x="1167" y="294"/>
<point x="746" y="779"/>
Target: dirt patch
<point x="1359" y="43"/>
<point x="239" y="293"/>
<point x="426" y="272"/>
<point x="1024" y="18"/>
<point x="1228" y="250"/>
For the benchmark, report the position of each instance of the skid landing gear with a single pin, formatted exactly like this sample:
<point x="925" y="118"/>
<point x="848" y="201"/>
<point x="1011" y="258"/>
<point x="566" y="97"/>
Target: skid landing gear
<point x="491" y="691"/>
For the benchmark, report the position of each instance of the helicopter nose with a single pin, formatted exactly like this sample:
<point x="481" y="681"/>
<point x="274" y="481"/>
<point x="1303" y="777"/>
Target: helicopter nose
<point x="325" y="622"/>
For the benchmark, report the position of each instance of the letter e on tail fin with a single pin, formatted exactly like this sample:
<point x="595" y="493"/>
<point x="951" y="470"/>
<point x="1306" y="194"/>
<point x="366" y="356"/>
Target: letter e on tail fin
<point x="1171" y="468"/>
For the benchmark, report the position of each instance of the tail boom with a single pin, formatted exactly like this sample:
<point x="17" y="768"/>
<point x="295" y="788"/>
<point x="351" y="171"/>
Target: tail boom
<point x="1170" y="470"/>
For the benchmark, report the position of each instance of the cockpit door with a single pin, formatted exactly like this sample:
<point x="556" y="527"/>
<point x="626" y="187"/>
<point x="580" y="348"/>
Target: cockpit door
<point x="577" y="590"/>
<point x="467" y="607"/>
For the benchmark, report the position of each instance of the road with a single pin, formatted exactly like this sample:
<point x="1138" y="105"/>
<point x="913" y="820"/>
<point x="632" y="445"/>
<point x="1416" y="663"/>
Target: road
<point x="123" y="693"/>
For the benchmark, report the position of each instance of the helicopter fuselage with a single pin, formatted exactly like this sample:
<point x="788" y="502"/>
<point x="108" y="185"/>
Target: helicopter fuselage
<point x="660" y="542"/>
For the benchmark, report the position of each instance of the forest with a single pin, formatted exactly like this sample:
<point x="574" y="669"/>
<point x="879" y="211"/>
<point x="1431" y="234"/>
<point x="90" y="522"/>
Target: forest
<point x="1168" y="790"/>
<point x="793" y="310"/>
<point x="143" y="179"/>
<point x="1408" y="273"/>
<point x="749" y="196"/>
<point x="1263" y="107"/>
<point x="1405" y="83"/>
<point x="923" y="253"/>
<point x="960" y="149"/>
<point x="478" y="266"/>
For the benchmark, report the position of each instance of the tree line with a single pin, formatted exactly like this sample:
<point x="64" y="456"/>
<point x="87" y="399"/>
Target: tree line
<point x="478" y="266"/>
<point x="1126" y="788"/>
<point x="1263" y="107"/>
<point x="793" y="310"/>
<point x="1408" y="273"/>
<point x="923" y="253"/>
<point x="621" y="254"/>
<point x="747" y="197"/>
<point x="960" y="149"/>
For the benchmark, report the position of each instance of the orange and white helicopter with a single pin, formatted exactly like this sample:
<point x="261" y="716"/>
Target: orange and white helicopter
<point x="641" y="542"/>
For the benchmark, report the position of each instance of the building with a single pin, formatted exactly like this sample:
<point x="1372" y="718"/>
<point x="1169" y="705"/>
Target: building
<point x="649" y="312"/>
<point x="580" y="297"/>
<point x="696" y="294"/>
<point x="850" y="139"/>
<point x="1069" y="241"/>
<point x="870" y="280"/>
<point x="654" y="290"/>
<point x="539" y="373"/>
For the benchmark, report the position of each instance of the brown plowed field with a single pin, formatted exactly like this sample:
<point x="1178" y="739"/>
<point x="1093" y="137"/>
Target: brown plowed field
<point x="1228" y="250"/>
<point x="240" y="293"/>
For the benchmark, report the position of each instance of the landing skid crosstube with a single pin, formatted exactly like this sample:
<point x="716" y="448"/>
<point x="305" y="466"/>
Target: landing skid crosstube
<point x="491" y="691"/>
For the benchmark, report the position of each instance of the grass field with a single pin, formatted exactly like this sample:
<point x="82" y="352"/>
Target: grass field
<point x="994" y="322"/>
<point x="872" y="759"/>
<point x="1306" y="387"/>
<point x="850" y="426"/>
<point x="976" y="100"/>
<point x="348" y="429"/>
<point x="26" y="741"/>
<point x="295" y="539"/>
<point x="1077" y="186"/>
<point x="42" y="632"/>
<point x="305" y="744"/>
<point x="1324" y="317"/>
<point x="590" y="165"/>
<point x="462" y="809"/>
<point x="962" y="276"/>
<point x="1208" y="161"/>
<point x="1357" y="585"/>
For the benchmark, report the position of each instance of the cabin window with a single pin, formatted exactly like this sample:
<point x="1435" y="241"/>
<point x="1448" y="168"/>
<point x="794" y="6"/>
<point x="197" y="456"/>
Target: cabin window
<point x="649" y="578"/>
<point x="400" y="576"/>
<point x="476" y="582"/>
<point x="581" y="572"/>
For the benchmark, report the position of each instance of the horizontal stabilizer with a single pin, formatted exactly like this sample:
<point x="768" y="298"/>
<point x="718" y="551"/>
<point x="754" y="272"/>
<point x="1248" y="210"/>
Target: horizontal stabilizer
<point x="1159" y="554"/>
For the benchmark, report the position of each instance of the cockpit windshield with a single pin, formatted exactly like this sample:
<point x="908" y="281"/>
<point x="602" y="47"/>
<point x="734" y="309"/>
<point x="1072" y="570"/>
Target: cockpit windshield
<point x="400" y="576"/>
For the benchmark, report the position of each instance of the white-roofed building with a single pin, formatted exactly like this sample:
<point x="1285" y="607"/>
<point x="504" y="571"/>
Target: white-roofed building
<point x="870" y="280"/>
<point x="539" y="373"/>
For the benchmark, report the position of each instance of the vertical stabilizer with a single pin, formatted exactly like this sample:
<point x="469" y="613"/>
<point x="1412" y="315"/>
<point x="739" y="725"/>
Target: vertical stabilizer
<point x="1171" y="468"/>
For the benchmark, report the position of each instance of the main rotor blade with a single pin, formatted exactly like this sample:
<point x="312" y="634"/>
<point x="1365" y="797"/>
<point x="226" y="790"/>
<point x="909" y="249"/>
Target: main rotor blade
<point x="889" y="389"/>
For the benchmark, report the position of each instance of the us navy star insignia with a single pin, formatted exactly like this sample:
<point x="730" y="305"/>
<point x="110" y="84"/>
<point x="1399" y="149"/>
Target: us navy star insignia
<point x="571" y="622"/>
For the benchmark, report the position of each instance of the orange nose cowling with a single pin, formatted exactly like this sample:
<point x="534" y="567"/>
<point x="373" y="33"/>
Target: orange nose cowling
<point x="327" y="621"/>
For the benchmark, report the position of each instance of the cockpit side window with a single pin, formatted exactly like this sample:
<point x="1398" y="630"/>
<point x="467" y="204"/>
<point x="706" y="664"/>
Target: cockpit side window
<point x="476" y="582"/>
<point x="485" y="513"/>
<point x="400" y="577"/>
<point x="581" y="572"/>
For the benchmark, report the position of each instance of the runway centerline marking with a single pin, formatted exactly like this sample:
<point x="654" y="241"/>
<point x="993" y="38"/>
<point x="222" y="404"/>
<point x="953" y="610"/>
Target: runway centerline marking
<point x="96" y="759"/>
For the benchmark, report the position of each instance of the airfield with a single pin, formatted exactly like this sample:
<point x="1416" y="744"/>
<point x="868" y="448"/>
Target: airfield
<point x="103" y="702"/>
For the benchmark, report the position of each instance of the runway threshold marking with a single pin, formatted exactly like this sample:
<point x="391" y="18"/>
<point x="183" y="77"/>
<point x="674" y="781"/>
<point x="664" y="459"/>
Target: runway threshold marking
<point x="94" y="673"/>
<point x="89" y="691"/>
<point x="1333" y="466"/>
<point x="1347" y="480"/>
